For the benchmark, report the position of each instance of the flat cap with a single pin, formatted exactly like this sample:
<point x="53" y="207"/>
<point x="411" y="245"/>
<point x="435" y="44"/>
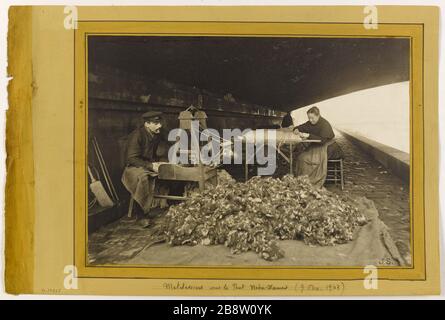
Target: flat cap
<point x="152" y="115"/>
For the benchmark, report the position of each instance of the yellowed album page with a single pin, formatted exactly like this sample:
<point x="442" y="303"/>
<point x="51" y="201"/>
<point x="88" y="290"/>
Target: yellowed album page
<point x="343" y="98"/>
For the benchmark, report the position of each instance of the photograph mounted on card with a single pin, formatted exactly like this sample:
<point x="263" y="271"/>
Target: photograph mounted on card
<point x="238" y="151"/>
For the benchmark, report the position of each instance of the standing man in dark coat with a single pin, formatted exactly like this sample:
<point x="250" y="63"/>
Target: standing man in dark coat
<point x="287" y="121"/>
<point x="145" y="152"/>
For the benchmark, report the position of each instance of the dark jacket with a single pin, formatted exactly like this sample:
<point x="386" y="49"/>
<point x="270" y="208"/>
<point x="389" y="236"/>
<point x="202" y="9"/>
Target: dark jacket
<point x="322" y="130"/>
<point x="144" y="148"/>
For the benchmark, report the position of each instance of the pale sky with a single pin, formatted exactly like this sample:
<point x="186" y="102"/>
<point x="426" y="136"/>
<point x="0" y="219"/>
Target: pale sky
<point x="380" y="113"/>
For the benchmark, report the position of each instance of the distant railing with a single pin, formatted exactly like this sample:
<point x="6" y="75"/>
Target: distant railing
<point x="396" y="161"/>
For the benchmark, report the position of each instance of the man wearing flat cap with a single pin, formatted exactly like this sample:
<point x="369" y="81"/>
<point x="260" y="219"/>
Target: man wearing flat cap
<point x="145" y="151"/>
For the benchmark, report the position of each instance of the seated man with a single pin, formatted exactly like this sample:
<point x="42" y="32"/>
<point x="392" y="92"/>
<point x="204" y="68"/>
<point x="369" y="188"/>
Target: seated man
<point x="313" y="160"/>
<point x="145" y="149"/>
<point x="318" y="128"/>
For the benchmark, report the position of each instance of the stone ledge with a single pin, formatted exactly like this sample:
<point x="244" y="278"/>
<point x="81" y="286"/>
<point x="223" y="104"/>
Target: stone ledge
<point x="396" y="161"/>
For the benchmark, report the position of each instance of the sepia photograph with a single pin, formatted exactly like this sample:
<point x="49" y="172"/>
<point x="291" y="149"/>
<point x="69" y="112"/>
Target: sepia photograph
<point x="248" y="150"/>
<point x="223" y="151"/>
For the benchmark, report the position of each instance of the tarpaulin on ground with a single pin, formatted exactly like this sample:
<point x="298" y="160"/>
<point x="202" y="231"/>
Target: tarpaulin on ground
<point x="372" y="245"/>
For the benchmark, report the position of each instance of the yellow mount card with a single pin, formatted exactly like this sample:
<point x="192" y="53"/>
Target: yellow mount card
<point x="89" y="84"/>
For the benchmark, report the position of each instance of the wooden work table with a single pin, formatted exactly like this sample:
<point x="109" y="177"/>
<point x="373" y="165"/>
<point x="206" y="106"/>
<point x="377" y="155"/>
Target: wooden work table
<point x="200" y="173"/>
<point x="288" y="158"/>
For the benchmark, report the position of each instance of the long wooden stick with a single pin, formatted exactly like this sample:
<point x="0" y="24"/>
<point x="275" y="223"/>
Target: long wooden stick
<point x="104" y="170"/>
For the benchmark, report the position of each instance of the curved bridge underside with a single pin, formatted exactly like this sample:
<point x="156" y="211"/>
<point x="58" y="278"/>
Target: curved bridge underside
<point x="280" y="73"/>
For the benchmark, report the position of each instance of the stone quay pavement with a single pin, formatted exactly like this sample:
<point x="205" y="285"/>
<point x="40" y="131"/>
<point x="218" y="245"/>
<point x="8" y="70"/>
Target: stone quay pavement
<point x="364" y="176"/>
